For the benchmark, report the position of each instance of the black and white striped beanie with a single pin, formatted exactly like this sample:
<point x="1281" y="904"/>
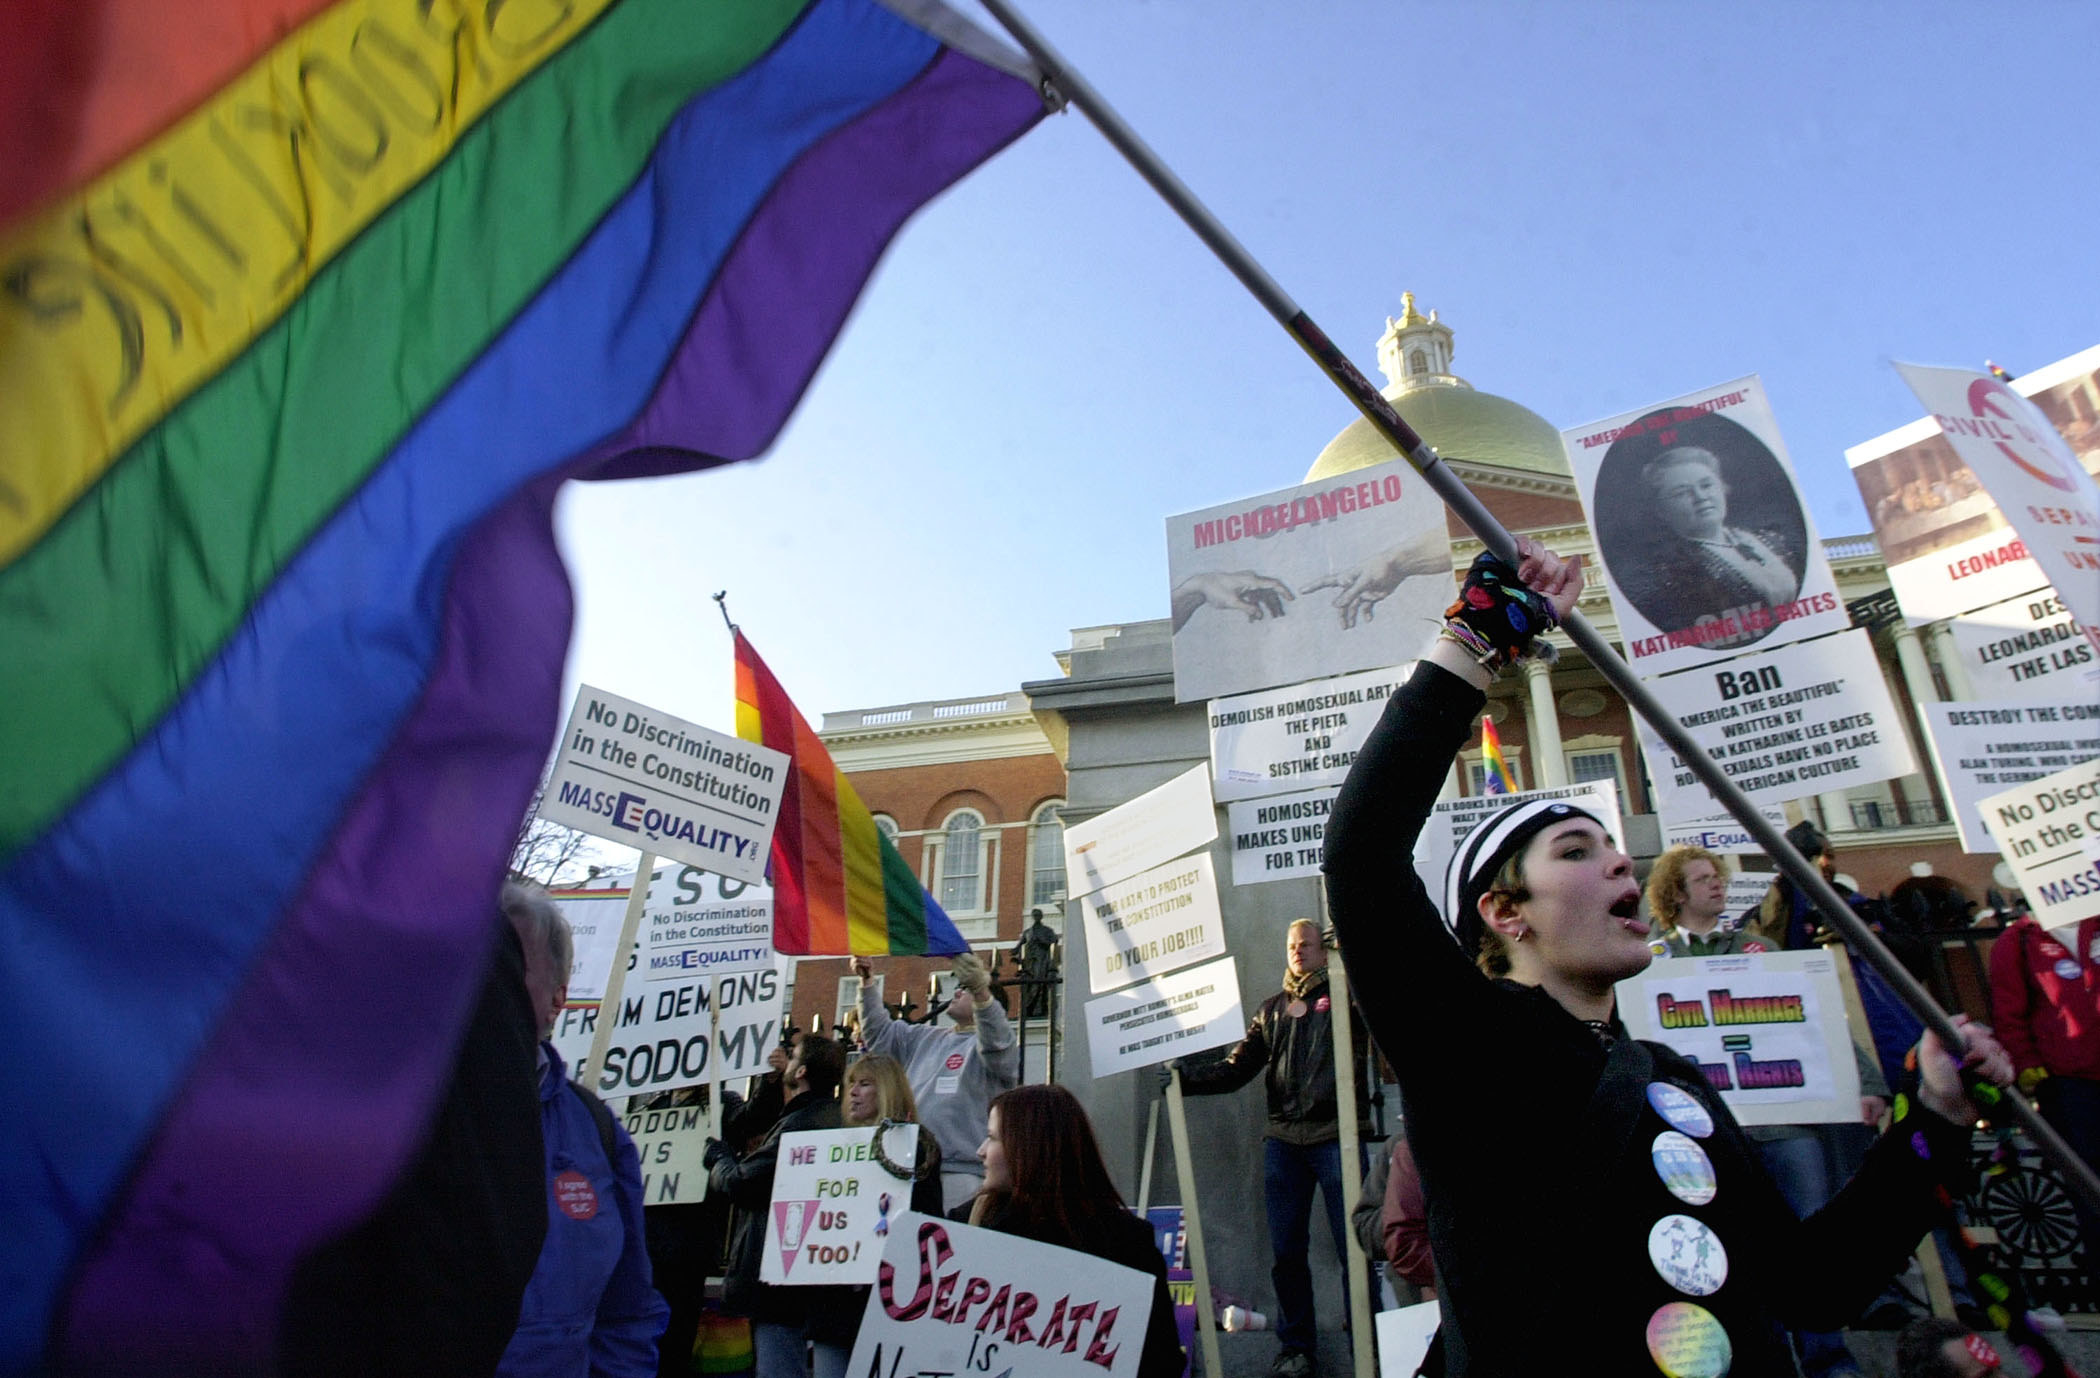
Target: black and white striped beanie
<point x="1485" y="849"/>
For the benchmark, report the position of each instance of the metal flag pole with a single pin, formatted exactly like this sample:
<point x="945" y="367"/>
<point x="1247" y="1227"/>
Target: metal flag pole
<point x="1075" y="88"/>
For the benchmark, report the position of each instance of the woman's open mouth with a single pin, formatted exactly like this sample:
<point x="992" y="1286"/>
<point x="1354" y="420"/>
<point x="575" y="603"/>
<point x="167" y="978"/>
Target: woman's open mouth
<point x="1627" y="910"/>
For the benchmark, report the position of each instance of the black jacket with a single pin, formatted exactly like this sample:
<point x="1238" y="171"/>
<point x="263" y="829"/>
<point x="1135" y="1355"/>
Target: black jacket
<point x="1535" y="1142"/>
<point x="748" y="1183"/>
<point x="1297" y="1056"/>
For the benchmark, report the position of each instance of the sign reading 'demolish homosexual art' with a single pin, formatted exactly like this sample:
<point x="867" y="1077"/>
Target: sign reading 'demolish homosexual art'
<point x="2027" y="646"/>
<point x="1158" y="825"/>
<point x="1280" y="837"/>
<point x="1156" y="922"/>
<point x="1769" y="1031"/>
<point x="2028" y="469"/>
<point x="834" y="1203"/>
<point x="671" y="1142"/>
<point x="644" y="779"/>
<point x="659" y="1042"/>
<point x="1294" y="738"/>
<point x="1186" y="1012"/>
<point x="1452" y="819"/>
<point x="1332" y="577"/>
<point x="2045" y="831"/>
<point x="954" y="1299"/>
<point x="1799" y="720"/>
<point x="1706" y="545"/>
<point x="1983" y="747"/>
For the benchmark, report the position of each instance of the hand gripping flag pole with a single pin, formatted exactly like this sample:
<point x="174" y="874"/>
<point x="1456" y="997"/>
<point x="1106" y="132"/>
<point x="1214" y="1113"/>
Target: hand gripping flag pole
<point x="1075" y="88"/>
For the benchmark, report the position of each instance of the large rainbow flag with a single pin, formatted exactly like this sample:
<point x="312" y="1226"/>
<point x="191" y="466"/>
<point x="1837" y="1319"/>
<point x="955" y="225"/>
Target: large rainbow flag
<point x="306" y="310"/>
<point x="839" y="885"/>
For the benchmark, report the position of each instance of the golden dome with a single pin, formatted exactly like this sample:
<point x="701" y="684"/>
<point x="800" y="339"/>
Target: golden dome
<point x="1462" y="423"/>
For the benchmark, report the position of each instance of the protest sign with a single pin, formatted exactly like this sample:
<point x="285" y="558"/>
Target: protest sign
<point x="2045" y="829"/>
<point x="1170" y="1232"/>
<point x="1803" y="719"/>
<point x="955" y="1299"/>
<point x="1982" y="747"/>
<point x="1948" y="547"/>
<point x="645" y="779"/>
<point x="2021" y="461"/>
<point x="670" y="1141"/>
<point x="1153" y="923"/>
<point x="1158" y="825"/>
<point x="1293" y="738"/>
<point x="1280" y="837"/>
<point x="1186" y="1012"/>
<point x="693" y="924"/>
<point x="1706" y="545"/>
<point x="1328" y="578"/>
<point x="1451" y="819"/>
<point x="1768" y="1030"/>
<point x="2024" y="646"/>
<point x="659" y="1042"/>
<point x="833" y="1203"/>
<point x="594" y="919"/>
<point x="1405" y="1334"/>
<point x="1722" y="835"/>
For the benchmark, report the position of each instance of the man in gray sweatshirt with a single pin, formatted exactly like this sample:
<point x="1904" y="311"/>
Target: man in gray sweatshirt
<point x="954" y="1072"/>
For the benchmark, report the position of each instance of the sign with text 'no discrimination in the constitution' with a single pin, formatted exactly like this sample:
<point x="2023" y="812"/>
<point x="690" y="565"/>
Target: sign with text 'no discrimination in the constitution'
<point x="1187" y="1012"/>
<point x="1299" y="737"/>
<point x="2045" y="831"/>
<point x="956" y="1300"/>
<point x="1334" y="576"/>
<point x="1981" y="748"/>
<point x="1808" y="718"/>
<point x="647" y="780"/>
<point x="1156" y="922"/>
<point x="834" y="1204"/>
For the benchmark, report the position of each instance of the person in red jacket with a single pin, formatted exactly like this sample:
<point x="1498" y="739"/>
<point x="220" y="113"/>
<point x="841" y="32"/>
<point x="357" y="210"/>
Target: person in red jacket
<point x="2045" y="999"/>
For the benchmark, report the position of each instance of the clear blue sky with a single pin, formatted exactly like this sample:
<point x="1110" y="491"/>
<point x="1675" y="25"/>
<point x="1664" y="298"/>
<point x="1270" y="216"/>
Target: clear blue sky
<point x="1611" y="203"/>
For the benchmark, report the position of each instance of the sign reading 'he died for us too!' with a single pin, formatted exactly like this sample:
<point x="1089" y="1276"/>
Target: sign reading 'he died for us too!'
<point x="834" y="1203"/>
<point x="635" y="776"/>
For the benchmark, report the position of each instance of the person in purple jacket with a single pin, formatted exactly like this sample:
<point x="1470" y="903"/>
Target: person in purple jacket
<point x="590" y="1310"/>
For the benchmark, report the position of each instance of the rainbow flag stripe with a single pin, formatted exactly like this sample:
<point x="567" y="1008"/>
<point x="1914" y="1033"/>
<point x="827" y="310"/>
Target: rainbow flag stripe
<point x="298" y="339"/>
<point x="839" y="885"/>
<point x="1496" y="776"/>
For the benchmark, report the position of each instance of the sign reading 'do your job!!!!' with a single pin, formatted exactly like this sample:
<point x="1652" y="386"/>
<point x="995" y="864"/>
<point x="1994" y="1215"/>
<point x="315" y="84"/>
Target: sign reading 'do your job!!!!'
<point x="1153" y="923"/>
<point x="1187" y="1012"/>
<point x="2045" y="830"/>
<point x="1809" y="718"/>
<point x="635" y="776"/>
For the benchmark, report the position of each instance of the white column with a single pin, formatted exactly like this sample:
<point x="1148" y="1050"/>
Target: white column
<point x="1949" y="656"/>
<point x="1837" y="811"/>
<point x="1549" y="764"/>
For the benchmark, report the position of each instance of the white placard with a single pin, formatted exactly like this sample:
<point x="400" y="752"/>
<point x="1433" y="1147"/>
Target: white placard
<point x="1706" y="545"/>
<point x="647" y="780"/>
<point x="693" y="923"/>
<point x="2028" y="646"/>
<point x="1298" y="737"/>
<point x="671" y="1142"/>
<point x="2045" y="831"/>
<point x="1948" y="547"/>
<point x="2040" y="486"/>
<point x="834" y="1205"/>
<point x="1983" y="747"/>
<point x="1156" y="922"/>
<point x="1327" y="578"/>
<point x="1404" y="1336"/>
<point x="1172" y="820"/>
<point x="1186" y="1012"/>
<point x="1803" y="719"/>
<point x="1722" y="835"/>
<point x="954" y="1299"/>
<point x="1768" y="1030"/>
<point x="595" y="919"/>
<point x="1280" y="837"/>
<point x="660" y="1040"/>
<point x="1452" y="819"/>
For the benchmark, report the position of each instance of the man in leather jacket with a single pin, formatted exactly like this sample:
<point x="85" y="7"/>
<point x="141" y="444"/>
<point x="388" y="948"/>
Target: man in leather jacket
<point x="1290" y="1041"/>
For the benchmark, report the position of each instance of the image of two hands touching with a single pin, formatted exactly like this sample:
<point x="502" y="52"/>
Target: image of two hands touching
<point x="1359" y="589"/>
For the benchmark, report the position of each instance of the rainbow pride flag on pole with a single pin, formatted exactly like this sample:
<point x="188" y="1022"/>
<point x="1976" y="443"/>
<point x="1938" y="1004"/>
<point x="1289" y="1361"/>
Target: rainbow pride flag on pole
<point x="306" y="311"/>
<point x="1495" y="775"/>
<point x="839" y="885"/>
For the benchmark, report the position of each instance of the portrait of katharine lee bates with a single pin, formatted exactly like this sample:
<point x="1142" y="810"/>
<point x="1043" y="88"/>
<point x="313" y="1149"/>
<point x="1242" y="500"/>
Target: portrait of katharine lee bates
<point x="1700" y="528"/>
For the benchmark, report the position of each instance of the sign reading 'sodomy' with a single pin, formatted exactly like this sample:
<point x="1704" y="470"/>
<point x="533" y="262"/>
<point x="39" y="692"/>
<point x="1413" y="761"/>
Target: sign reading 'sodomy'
<point x="632" y="775"/>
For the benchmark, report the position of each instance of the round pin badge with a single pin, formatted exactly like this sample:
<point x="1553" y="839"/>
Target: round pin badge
<point x="1687" y="1342"/>
<point x="2067" y="970"/>
<point x="1296" y="1009"/>
<point x="1684" y="1168"/>
<point x="575" y="1196"/>
<point x="1688" y="1255"/>
<point x="1679" y="1110"/>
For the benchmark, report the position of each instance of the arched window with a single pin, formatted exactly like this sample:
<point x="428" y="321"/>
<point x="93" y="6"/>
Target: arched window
<point x="1046" y="854"/>
<point x="962" y="862"/>
<point x="1417" y="361"/>
<point x="887" y="826"/>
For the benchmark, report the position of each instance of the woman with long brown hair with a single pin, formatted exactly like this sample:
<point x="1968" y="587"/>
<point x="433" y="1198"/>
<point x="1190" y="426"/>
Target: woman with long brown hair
<point x="1044" y="1180"/>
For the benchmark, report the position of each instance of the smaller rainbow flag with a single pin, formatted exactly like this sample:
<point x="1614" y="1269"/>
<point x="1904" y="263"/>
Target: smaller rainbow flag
<point x="839" y="885"/>
<point x="1496" y="777"/>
